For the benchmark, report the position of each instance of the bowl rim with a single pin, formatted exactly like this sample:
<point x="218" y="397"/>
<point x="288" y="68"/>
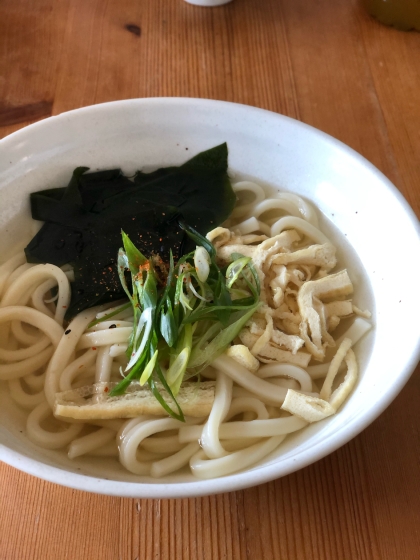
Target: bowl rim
<point x="242" y="479"/>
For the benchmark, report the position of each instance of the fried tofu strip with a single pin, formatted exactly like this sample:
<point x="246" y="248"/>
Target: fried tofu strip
<point x="309" y="296"/>
<point x="93" y="403"/>
<point x="313" y="409"/>
<point x="316" y="255"/>
<point x="270" y="352"/>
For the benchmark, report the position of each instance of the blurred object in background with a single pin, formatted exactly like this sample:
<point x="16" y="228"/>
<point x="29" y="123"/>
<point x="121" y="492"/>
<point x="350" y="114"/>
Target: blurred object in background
<point x="401" y="14"/>
<point x="208" y="3"/>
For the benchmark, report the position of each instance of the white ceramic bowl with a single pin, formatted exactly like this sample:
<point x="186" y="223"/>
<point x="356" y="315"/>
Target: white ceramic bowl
<point x="353" y="196"/>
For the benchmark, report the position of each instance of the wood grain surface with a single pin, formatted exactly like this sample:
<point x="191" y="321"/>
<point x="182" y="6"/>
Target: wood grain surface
<point x="327" y="63"/>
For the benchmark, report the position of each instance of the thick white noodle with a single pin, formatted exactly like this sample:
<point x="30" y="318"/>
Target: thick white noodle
<point x="290" y="222"/>
<point x="241" y="443"/>
<point x="245" y="423"/>
<point x="86" y="377"/>
<point x="250" y="429"/>
<point x="239" y="392"/>
<point x="117" y="350"/>
<point x="287" y="370"/>
<point x="286" y="383"/>
<point x="46" y="438"/>
<point x="104" y="338"/>
<point x="210" y="434"/>
<point x="103" y="365"/>
<point x="24" y="399"/>
<point x="272" y="204"/>
<point x="34" y="318"/>
<point x="247" y="404"/>
<point x="164" y="444"/>
<point x="35" y="381"/>
<point x="174" y="462"/>
<point x="131" y="441"/>
<point x="355" y="332"/>
<point x="39" y="297"/>
<point x="64" y="352"/>
<point x="202" y="467"/>
<point x="257" y="194"/>
<point x="43" y="323"/>
<point x="306" y="209"/>
<point x="248" y="380"/>
<point x="21" y="334"/>
<point x="15" y="274"/>
<point x="20" y="292"/>
<point x="22" y="353"/>
<point x="75" y="368"/>
<point x="91" y="442"/>
<point x="129" y="424"/>
<point x="252" y="225"/>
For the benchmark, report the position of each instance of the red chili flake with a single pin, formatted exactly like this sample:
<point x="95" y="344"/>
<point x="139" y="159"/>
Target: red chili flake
<point x="106" y="389"/>
<point x="93" y="347"/>
<point x="64" y="306"/>
<point x="145" y="266"/>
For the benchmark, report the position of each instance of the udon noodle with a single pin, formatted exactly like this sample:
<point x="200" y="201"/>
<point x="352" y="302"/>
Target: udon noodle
<point x="285" y="370"/>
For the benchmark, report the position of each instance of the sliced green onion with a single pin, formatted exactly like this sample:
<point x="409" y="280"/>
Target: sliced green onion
<point x="202" y="262"/>
<point x="148" y="370"/>
<point x="191" y="320"/>
<point x="109" y="315"/>
<point x="234" y="270"/>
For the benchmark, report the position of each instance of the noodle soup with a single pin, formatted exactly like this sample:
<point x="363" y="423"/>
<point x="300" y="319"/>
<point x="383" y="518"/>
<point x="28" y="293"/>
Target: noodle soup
<point x="246" y="423"/>
<point x="276" y="150"/>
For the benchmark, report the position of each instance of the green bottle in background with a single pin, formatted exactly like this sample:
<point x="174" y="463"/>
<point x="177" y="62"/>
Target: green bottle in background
<point x="401" y="14"/>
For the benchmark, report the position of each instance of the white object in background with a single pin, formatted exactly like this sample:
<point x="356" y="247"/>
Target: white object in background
<point x="208" y="3"/>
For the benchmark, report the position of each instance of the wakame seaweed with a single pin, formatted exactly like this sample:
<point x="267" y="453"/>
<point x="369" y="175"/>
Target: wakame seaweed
<point x="83" y="221"/>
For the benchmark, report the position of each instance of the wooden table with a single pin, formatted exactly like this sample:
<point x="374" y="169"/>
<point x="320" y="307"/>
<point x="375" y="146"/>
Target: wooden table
<point x="326" y="63"/>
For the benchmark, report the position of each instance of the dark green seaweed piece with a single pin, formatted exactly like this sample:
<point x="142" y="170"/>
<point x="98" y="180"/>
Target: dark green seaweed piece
<point x="83" y="221"/>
